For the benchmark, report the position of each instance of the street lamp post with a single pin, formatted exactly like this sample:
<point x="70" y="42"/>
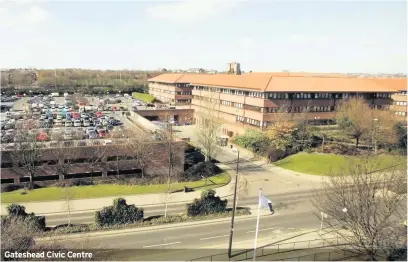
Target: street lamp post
<point x="233" y="209"/>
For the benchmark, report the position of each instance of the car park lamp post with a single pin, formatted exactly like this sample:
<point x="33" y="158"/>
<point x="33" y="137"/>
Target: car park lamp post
<point x="233" y="207"/>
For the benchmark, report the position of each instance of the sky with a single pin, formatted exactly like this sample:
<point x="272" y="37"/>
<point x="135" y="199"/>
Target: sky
<point x="262" y="35"/>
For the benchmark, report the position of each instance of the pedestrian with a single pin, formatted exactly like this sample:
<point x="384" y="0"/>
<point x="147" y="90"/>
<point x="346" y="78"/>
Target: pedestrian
<point x="271" y="207"/>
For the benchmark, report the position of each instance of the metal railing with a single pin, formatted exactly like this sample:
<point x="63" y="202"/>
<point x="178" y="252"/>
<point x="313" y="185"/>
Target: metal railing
<point x="282" y="250"/>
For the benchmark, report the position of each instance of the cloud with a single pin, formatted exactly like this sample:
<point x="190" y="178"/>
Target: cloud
<point x="22" y="15"/>
<point x="189" y="10"/>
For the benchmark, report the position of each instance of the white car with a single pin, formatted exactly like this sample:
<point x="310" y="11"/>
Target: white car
<point x="68" y="123"/>
<point x="68" y="135"/>
<point x="87" y="123"/>
<point x="59" y="117"/>
<point x="77" y="123"/>
<point x="61" y="107"/>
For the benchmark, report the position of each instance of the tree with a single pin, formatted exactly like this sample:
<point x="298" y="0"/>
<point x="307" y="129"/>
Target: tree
<point x="141" y="148"/>
<point x="357" y="119"/>
<point x="28" y="152"/>
<point x="280" y="134"/>
<point x="365" y="207"/>
<point x="170" y="148"/>
<point x="207" y="132"/>
<point x="65" y="158"/>
<point x="68" y="196"/>
<point x="401" y="133"/>
<point x="94" y="158"/>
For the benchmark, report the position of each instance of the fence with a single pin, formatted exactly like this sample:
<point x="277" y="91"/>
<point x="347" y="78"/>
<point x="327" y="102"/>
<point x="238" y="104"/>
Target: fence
<point x="305" y="250"/>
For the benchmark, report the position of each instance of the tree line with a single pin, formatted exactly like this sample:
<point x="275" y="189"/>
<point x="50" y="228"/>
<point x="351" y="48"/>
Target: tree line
<point x="114" y="80"/>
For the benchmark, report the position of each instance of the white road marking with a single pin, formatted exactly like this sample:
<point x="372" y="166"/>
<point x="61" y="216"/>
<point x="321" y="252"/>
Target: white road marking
<point x="213" y="237"/>
<point x="263" y="229"/>
<point x="166" y="244"/>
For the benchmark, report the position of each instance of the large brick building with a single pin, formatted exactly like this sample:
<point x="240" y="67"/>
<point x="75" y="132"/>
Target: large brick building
<point x="254" y="100"/>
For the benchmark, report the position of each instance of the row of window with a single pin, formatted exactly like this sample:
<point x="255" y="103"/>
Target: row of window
<point x="186" y="93"/>
<point x="400" y="103"/>
<point x="176" y="85"/>
<point x="404" y="93"/>
<point x="293" y="95"/>
<point x="183" y="101"/>
<point x="72" y="161"/>
<point x="400" y="113"/>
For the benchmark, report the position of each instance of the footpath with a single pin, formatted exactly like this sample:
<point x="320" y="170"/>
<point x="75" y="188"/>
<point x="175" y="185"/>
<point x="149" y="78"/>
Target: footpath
<point x="93" y="204"/>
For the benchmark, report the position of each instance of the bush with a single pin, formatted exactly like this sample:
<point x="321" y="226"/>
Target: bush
<point x="255" y="140"/>
<point x="31" y="220"/>
<point x="9" y="187"/>
<point x="208" y="204"/>
<point x="74" y="182"/>
<point x="118" y="214"/>
<point x="275" y="154"/>
<point x="200" y="170"/>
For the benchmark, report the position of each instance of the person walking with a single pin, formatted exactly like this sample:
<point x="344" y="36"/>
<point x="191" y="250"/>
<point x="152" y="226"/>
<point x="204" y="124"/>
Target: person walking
<point x="271" y="207"/>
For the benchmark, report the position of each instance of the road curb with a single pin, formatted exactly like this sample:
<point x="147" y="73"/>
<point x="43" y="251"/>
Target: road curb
<point x="147" y="228"/>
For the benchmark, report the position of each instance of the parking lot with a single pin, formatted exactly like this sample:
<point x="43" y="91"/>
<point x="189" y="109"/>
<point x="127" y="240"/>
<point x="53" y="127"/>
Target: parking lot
<point x="62" y="118"/>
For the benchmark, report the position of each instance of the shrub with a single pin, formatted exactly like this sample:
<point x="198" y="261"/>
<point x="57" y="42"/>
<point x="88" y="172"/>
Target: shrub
<point x="31" y="220"/>
<point x="208" y="204"/>
<point x="255" y="140"/>
<point x="118" y="214"/>
<point x="200" y="170"/>
<point x="9" y="187"/>
<point x="74" y="182"/>
<point x="275" y="154"/>
<point x="81" y="182"/>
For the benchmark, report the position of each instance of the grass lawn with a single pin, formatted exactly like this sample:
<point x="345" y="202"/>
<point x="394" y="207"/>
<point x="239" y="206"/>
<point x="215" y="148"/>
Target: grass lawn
<point x="106" y="190"/>
<point x="324" y="164"/>
<point x="148" y="98"/>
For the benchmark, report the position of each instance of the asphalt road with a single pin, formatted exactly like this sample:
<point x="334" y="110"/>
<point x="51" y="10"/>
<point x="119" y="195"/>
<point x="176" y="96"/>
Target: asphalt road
<point x="285" y="201"/>
<point x="186" y="241"/>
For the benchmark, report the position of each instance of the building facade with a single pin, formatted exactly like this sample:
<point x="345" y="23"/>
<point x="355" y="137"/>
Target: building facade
<point x="257" y="100"/>
<point x="91" y="162"/>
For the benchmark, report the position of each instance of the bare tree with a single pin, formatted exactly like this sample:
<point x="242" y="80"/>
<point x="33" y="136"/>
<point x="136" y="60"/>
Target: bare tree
<point x="94" y="158"/>
<point x="141" y="148"/>
<point x="365" y="207"/>
<point x="28" y="152"/>
<point x="65" y="156"/>
<point x="166" y="137"/>
<point x="68" y="196"/>
<point x="207" y="132"/>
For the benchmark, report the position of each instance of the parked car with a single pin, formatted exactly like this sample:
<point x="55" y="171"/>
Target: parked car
<point x="87" y="123"/>
<point x="77" y="123"/>
<point x="93" y="135"/>
<point x="68" y="123"/>
<point x="102" y="133"/>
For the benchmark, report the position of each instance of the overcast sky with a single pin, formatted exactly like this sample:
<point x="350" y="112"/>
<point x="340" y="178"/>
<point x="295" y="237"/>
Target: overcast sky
<point x="268" y="35"/>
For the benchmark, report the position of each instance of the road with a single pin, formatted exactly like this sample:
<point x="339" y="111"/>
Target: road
<point x="156" y="242"/>
<point x="283" y="201"/>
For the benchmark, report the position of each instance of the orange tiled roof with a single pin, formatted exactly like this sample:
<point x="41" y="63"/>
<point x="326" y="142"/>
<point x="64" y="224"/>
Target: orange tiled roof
<point x="280" y="83"/>
<point x="399" y="84"/>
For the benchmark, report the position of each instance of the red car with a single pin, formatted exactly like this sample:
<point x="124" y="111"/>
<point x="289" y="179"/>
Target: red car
<point x="98" y="114"/>
<point x="75" y="115"/>
<point x="42" y="137"/>
<point x="102" y="133"/>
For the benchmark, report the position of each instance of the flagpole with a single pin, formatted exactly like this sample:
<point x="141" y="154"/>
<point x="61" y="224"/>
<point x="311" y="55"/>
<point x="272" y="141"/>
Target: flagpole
<point x="257" y="223"/>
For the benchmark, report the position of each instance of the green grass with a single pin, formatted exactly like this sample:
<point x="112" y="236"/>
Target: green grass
<point x="326" y="164"/>
<point x="148" y="98"/>
<point x="106" y="190"/>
